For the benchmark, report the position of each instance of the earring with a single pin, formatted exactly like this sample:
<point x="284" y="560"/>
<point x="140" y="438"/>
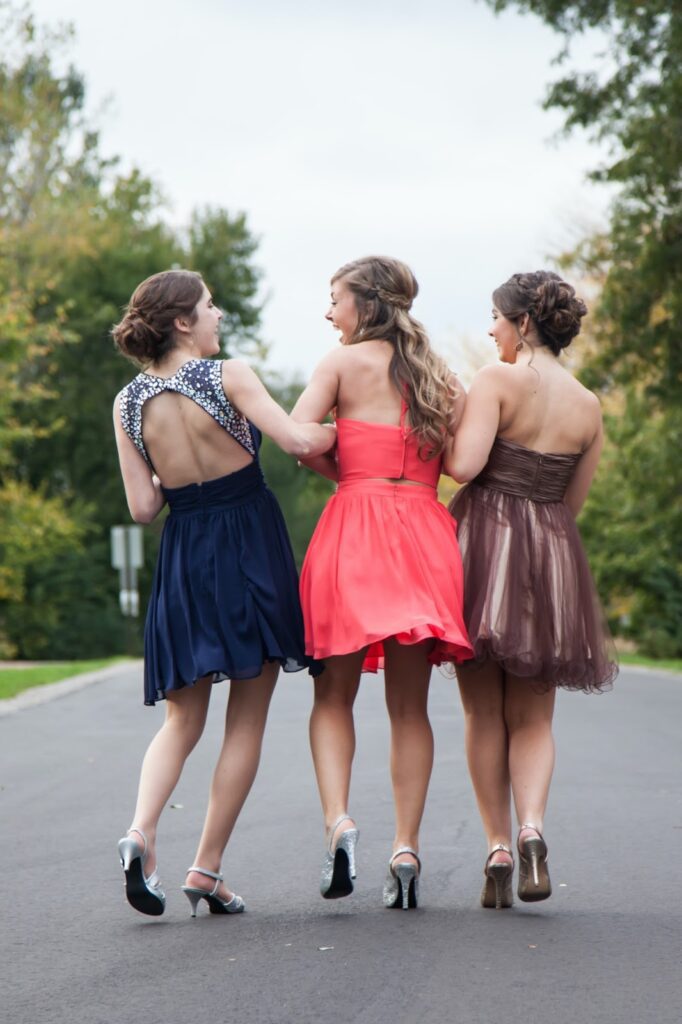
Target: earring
<point x="519" y="346"/>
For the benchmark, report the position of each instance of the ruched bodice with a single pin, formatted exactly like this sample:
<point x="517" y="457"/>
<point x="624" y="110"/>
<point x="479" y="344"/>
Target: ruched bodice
<point x="530" y="601"/>
<point x="525" y="473"/>
<point x="382" y="451"/>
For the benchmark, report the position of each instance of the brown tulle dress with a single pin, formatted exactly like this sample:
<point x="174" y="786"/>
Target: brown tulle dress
<point x="529" y="598"/>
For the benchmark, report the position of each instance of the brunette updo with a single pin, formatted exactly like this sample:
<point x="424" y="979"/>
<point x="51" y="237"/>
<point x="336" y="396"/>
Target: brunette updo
<point x="551" y="303"/>
<point x="146" y="333"/>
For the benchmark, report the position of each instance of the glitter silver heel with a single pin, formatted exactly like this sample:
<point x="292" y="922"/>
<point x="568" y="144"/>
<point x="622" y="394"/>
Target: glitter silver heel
<point x="215" y="904"/>
<point x="338" y="870"/>
<point x="534" y="883"/>
<point x="401" y="888"/>
<point x="143" y="892"/>
<point x="497" y="890"/>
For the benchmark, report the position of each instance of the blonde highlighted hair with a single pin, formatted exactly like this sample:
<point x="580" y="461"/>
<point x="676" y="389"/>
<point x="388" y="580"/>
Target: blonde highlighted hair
<point x="384" y="290"/>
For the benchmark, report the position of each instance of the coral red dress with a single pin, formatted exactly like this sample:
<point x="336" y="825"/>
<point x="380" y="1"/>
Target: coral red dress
<point x="383" y="560"/>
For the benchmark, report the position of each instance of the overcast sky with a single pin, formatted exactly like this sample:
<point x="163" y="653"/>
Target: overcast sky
<point x="411" y="129"/>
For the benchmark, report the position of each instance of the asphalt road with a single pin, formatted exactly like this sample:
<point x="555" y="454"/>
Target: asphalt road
<point x="607" y="947"/>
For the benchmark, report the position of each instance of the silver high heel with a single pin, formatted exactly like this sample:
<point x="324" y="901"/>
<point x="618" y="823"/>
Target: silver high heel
<point x="401" y="888"/>
<point x="497" y="889"/>
<point x="338" y="870"/>
<point x="215" y="904"/>
<point x="144" y="893"/>
<point x="534" y="883"/>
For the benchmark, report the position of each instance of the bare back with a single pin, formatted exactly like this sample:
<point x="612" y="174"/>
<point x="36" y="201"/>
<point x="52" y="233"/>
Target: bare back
<point x="185" y="443"/>
<point x="365" y="389"/>
<point x="545" y="408"/>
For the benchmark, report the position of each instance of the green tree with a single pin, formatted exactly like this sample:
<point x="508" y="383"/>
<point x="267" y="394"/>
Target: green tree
<point x="76" y="237"/>
<point x="632" y="102"/>
<point x="222" y="248"/>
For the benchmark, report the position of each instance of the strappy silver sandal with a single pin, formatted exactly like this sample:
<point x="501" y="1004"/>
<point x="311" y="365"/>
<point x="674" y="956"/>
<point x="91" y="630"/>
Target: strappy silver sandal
<point x="215" y="904"/>
<point x="143" y="892"/>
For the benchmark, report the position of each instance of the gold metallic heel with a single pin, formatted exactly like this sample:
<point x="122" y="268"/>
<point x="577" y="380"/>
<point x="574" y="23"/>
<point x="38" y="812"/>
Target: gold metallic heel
<point x="497" y="890"/>
<point x="534" y="883"/>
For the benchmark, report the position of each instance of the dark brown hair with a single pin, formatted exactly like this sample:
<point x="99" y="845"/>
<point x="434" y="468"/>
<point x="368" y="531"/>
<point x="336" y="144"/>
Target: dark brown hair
<point x="551" y="303"/>
<point x="384" y="289"/>
<point x="146" y="333"/>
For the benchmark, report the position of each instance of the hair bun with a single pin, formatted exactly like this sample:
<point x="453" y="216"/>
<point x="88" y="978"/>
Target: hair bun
<point x="557" y="311"/>
<point x="136" y="337"/>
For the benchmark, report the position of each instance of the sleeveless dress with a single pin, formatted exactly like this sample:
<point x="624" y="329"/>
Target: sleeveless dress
<point x="225" y="594"/>
<point x="530" y="600"/>
<point x="383" y="560"/>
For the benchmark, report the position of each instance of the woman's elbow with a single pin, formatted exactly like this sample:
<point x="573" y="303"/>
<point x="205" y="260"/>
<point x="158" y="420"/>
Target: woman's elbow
<point x="460" y="470"/>
<point x="142" y="514"/>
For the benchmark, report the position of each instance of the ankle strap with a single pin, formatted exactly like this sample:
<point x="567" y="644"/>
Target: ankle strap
<point x="529" y="824"/>
<point x="405" y="849"/>
<point x="500" y="848"/>
<point x="333" y="828"/>
<point x="202" y="871"/>
<point x="134" y="828"/>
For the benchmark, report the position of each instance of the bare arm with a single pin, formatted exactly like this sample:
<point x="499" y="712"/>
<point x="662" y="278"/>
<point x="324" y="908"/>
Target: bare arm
<point x="468" y="451"/>
<point x="249" y="395"/>
<point x="143" y="489"/>
<point x="316" y="402"/>
<point x="578" y="488"/>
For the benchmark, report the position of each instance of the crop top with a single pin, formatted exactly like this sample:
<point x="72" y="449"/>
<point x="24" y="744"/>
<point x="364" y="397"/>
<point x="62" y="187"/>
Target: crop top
<point x="384" y="451"/>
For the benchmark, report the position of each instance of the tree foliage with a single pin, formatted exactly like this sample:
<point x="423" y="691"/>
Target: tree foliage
<point x="632" y="102"/>
<point x="76" y="236"/>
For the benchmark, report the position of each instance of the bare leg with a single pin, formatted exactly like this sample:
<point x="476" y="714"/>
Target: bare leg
<point x="482" y="690"/>
<point x="407" y="674"/>
<point x="247" y="712"/>
<point x="332" y="733"/>
<point x="165" y="758"/>
<point x="531" y="747"/>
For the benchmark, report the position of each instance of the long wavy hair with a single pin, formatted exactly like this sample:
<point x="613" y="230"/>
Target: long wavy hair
<point x="384" y="290"/>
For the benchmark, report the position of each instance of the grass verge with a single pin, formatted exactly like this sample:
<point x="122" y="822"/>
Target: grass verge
<point x="671" y="664"/>
<point x="15" y="679"/>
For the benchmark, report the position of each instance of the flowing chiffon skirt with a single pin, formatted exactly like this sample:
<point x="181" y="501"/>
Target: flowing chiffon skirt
<point x="530" y="600"/>
<point x="383" y="562"/>
<point x="225" y="594"/>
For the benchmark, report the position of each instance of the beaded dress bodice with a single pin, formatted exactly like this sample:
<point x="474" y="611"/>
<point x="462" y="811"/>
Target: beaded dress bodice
<point x="198" y="379"/>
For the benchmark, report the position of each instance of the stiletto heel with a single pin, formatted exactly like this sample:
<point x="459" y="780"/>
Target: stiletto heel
<point x="215" y="904"/>
<point x="534" y="882"/>
<point x="338" y="870"/>
<point x="401" y="888"/>
<point x="497" y="889"/>
<point x="144" y="893"/>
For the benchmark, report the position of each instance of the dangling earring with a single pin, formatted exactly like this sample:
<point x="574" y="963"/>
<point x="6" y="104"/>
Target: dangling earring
<point x="519" y="345"/>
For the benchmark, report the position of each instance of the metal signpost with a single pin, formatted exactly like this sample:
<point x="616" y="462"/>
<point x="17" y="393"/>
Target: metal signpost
<point x="126" y="556"/>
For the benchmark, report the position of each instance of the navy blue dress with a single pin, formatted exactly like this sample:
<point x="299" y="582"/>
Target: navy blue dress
<point x="225" y="594"/>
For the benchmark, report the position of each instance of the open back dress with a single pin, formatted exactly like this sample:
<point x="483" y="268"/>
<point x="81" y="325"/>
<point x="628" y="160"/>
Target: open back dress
<point x="225" y="595"/>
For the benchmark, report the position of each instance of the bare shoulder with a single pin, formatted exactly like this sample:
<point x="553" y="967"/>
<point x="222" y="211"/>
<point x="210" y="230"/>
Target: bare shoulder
<point x="493" y="377"/>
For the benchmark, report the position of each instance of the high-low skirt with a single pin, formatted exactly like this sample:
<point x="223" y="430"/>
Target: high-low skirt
<point x="529" y="598"/>
<point x="383" y="562"/>
<point x="225" y="594"/>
